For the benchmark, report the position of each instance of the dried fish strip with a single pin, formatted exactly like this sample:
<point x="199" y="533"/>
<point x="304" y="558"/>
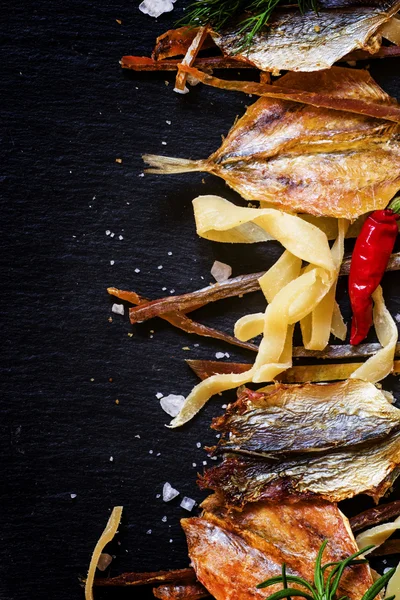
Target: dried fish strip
<point x="177" y="576"/>
<point x="181" y="321"/>
<point x="375" y="516"/>
<point x="193" y="591"/>
<point x="334" y="476"/>
<point x="235" y="286"/>
<point x="298" y="374"/>
<point x="306" y="419"/>
<point x="230" y="550"/>
<point x="310" y="41"/>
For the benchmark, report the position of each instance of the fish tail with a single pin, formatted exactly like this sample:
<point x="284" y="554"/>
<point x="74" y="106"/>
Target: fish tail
<point x="166" y="165"/>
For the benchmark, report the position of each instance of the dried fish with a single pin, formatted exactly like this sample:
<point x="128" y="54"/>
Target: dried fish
<point x="306" y="419"/>
<point x="375" y="516"/>
<point x="310" y="41"/>
<point x="307" y="159"/>
<point x="233" y="551"/>
<point x="335" y="476"/>
<point x="388" y="548"/>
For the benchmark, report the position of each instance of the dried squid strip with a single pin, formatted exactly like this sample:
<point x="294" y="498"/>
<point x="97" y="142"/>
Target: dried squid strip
<point x="371" y="108"/>
<point x="388" y="548"/>
<point x="181" y="321"/>
<point x="375" y="515"/>
<point x="189" y="58"/>
<point x="298" y="374"/>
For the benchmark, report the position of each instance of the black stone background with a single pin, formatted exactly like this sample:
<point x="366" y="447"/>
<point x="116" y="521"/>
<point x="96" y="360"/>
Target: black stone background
<point x="68" y="112"/>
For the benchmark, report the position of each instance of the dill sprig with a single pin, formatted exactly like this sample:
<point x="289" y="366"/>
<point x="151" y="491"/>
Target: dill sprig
<point x="324" y="588"/>
<point x="219" y="13"/>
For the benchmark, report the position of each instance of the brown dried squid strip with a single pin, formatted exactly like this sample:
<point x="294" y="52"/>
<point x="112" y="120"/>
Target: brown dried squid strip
<point x="390" y="112"/>
<point x="298" y="374"/>
<point x="375" y="516"/>
<point x="181" y="321"/>
<point x="191" y="591"/>
<point x="388" y="548"/>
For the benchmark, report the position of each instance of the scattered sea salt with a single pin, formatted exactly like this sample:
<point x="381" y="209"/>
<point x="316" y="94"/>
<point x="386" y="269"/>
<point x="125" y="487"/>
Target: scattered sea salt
<point x="224" y="406"/>
<point x="137" y="270"/>
<point x="158" y="495"/>
<point x="108" y="232"/>
<point x="397" y="317"/>
<point x="111" y="459"/>
<point x="164" y="289"/>
<point x="196" y="345"/>
<point x="140" y="174"/>
<point x="73" y="496"/>
<point x="204" y="463"/>
<point x="184" y="91"/>
<point x="137" y="436"/>
<point x="172" y="404"/>
<point x="198" y="444"/>
<point x="120" y="237"/>
<point x="164" y="143"/>
<point x="188" y="503"/>
<point x="168" y="122"/>
<point x="170" y="541"/>
<point x="159" y="267"/>
<point x="172" y="291"/>
<point x="118" y="309"/>
<point x="194" y="465"/>
<point x="148" y="532"/>
<point x="164" y="519"/>
<point x="112" y="234"/>
<point x="219" y="355"/>
<point x="155" y="8"/>
<point x="169" y="253"/>
<point x="220" y="271"/>
<point x="150" y="451"/>
<point x="112" y="262"/>
<point x="159" y="395"/>
<point x="169" y="493"/>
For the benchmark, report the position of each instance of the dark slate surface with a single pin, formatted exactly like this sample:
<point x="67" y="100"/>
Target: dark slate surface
<point x="69" y="112"/>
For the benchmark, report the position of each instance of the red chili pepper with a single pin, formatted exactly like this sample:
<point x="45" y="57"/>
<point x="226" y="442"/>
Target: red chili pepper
<point x="371" y="255"/>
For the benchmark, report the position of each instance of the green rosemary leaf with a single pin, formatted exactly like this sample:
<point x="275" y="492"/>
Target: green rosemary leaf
<point x="341" y="567"/>
<point x="289" y="578"/>
<point x="378" y="586"/>
<point x="284" y="580"/>
<point x="318" y="573"/>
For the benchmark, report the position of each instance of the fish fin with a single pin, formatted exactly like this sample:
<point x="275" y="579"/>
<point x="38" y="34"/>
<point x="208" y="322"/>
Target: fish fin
<point x="166" y="165"/>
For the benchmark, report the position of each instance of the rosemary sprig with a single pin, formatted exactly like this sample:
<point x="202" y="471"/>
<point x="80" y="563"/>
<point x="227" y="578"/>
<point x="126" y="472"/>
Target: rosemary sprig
<point x="324" y="588"/>
<point x="219" y="13"/>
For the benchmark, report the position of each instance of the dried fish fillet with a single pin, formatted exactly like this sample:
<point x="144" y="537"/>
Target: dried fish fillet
<point x="306" y="159"/>
<point x="335" y="476"/>
<point x="310" y="41"/>
<point x="233" y="551"/>
<point x="307" y="418"/>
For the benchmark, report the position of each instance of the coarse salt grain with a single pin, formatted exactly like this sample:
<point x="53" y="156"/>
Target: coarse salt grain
<point x="73" y="496"/>
<point x="164" y="289"/>
<point x="141" y="175"/>
<point x="164" y="143"/>
<point x="198" y="444"/>
<point x="155" y="8"/>
<point x="112" y="262"/>
<point x="159" y="267"/>
<point x="170" y="541"/>
<point x="148" y="532"/>
<point x="158" y="495"/>
<point x="151" y="451"/>
<point x="172" y="404"/>
<point x="397" y="317"/>
<point x="169" y="253"/>
<point x="169" y="493"/>
<point x="111" y="459"/>
<point x="164" y="519"/>
<point x="118" y="309"/>
<point x="194" y="465"/>
<point x="159" y="395"/>
<point x="120" y="237"/>
<point x="108" y="232"/>
<point x="184" y="91"/>
<point x="168" y="122"/>
<point x="219" y="355"/>
<point x="188" y="503"/>
<point x="221" y="271"/>
<point x="137" y="270"/>
<point x="204" y="463"/>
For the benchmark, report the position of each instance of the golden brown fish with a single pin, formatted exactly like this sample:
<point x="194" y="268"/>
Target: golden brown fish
<point x="311" y="41"/>
<point x="233" y="551"/>
<point x="301" y="158"/>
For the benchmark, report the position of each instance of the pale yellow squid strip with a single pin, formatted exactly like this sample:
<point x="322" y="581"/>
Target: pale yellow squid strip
<point x="380" y="365"/>
<point x="219" y="220"/>
<point x="316" y="326"/>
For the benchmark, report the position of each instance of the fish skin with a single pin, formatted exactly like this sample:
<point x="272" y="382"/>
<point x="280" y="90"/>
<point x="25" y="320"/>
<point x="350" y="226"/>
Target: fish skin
<point x="233" y="551"/>
<point x="306" y="159"/>
<point x="311" y="41"/>
<point x="365" y="469"/>
<point x="307" y="418"/>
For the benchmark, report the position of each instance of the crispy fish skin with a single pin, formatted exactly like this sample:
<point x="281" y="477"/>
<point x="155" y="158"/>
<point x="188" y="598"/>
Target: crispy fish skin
<point x="310" y="41"/>
<point x="369" y="469"/>
<point x="306" y="418"/>
<point x="233" y="551"/>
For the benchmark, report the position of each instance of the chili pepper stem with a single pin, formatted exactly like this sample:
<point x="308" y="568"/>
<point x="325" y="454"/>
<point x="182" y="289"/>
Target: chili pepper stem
<point x="395" y="205"/>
